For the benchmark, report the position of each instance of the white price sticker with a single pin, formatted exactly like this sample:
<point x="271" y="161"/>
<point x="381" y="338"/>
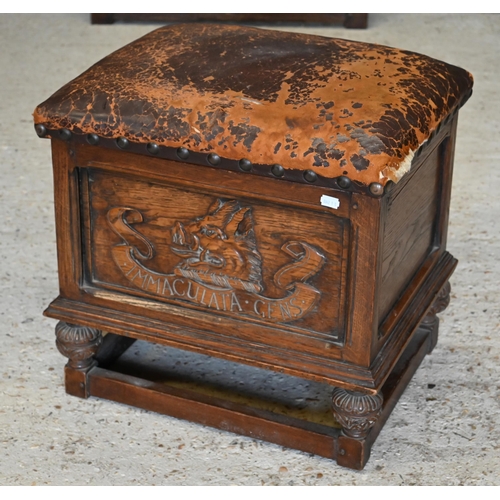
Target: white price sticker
<point x="330" y="201"/>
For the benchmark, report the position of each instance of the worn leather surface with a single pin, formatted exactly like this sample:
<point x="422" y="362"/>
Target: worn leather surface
<point x="334" y="106"/>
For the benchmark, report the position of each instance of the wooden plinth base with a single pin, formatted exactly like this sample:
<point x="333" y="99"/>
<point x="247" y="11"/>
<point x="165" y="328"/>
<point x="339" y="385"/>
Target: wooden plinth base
<point x="201" y="407"/>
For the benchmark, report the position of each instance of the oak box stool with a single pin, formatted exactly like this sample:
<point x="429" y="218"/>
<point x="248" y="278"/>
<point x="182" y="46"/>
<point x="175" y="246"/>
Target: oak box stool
<point x="266" y="200"/>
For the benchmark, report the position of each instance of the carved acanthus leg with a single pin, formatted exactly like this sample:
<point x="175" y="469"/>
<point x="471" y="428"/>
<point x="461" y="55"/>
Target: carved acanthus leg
<point x="431" y="321"/>
<point x="79" y="344"/>
<point x="356" y="412"/>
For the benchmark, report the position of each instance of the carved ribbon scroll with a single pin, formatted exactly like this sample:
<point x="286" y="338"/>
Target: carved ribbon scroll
<point x="221" y="267"/>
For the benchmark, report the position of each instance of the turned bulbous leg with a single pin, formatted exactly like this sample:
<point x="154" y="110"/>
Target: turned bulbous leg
<point x="431" y="321"/>
<point x="78" y="343"/>
<point x="357" y="413"/>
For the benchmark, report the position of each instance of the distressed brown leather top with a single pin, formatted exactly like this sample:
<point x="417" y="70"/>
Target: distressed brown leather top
<point x="334" y="106"/>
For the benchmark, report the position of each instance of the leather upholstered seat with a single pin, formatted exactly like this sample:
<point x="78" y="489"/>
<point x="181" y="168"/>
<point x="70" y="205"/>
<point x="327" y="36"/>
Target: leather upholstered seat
<point x="331" y="106"/>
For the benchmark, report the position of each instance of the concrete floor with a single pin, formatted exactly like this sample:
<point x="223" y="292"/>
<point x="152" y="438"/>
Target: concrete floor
<point x="443" y="432"/>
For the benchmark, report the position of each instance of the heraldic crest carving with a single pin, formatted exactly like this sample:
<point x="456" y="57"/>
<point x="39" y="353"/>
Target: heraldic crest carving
<point x="220" y="267"/>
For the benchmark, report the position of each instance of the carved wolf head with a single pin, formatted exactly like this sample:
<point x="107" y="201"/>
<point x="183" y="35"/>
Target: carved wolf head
<point x="219" y="248"/>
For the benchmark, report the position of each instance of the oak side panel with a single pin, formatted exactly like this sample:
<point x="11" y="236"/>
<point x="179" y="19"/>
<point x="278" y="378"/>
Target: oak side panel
<point x="426" y="265"/>
<point x="411" y="216"/>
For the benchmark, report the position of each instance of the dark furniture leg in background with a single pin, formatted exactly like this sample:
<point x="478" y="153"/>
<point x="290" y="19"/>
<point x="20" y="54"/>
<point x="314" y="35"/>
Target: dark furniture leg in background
<point x="352" y="21"/>
<point x="431" y="321"/>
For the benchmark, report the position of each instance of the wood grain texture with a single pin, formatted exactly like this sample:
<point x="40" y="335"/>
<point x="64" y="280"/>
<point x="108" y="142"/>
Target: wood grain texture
<point x="415" y="222"/>
<point x="233" y="417"/>
<point x="208" y="276"/>
<point x="409" y="229"/>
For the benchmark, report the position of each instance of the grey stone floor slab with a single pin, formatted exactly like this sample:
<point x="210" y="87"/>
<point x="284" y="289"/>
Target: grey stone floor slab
<point x="445" y="430"/>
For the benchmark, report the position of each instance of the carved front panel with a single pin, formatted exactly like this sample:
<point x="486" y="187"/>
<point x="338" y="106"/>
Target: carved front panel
<point x="243" y="258"/>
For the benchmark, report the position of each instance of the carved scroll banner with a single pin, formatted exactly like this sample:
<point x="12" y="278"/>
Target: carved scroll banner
<point x="221" y="267"/>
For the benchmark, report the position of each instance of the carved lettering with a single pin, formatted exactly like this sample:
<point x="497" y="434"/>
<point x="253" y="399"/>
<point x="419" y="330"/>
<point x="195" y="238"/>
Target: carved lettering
<point x="174" y="286"/>
<point x="294" y="306"/>
<point x="131" y="269"/>
<point x="213" y="301"/>
<point x="285" y="311"/>
<point x="256" y="309"/>
<point x="166" y="284"/>
<point x="203" y="298"/>
<point x="221" y="266"/>
<point x="152" y="282"/>
<point x="142" y="275"/>
<point x="270" y="309"/>
<point x="188" y="293"/>
<point x="235" y="302"/>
